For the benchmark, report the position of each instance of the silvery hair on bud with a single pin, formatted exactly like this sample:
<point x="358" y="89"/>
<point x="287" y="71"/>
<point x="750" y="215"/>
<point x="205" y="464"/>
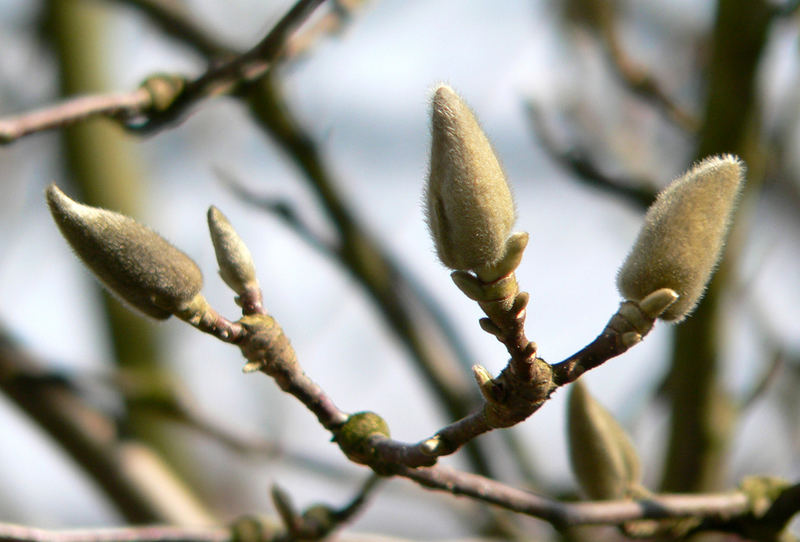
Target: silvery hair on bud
<point x="683" y="234"/>
<point x="468" y="203"/>
<point x="131" y="260"/>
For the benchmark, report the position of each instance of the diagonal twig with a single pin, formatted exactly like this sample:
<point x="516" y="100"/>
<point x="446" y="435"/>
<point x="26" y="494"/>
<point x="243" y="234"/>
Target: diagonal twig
<point x="164" y="99"/>
<point x="634" y="76"/>
<point x="577" y="161"/>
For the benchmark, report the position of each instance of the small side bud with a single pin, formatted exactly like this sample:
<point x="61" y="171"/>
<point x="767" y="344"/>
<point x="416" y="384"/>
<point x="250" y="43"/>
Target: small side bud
<point x="355" y="437"/>
<point x="683" y="235"/>
<point x="163" y="89"/>
<point x="490" y="327"/>
<point x="657" y="302"/>
<point x="235" y="262"/>
<point x="469" y="206"/>
<point x="485" y="382"/>
<point x="319" y="519"/>
<point x="469" y="284"/>
<point x="131" y="260"/>
<point x="431" y="446"/>
<point x="520" y="304"/>
<point x="601" y="454"/>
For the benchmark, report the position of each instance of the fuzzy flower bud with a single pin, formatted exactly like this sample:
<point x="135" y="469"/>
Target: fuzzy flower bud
<point x="683" y="235"/>
<point x="603" y="459"/>
<point x="235" y="262"/>
<point x="131" y="260"/>
<point x="469" y="206"/>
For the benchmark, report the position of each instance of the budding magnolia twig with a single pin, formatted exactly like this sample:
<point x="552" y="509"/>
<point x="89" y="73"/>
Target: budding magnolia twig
<point x="131" y="260"/>
<point x="683" y="235"/>
<point x="469" y="206"/>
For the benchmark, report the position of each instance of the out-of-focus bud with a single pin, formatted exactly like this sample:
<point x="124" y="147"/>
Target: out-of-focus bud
<point x="235" y="262"/>
<point x="469" y="206"/>
<point x="601" y="454"/>
<point x="131" y="260"/>
<point x="683" y="235"/>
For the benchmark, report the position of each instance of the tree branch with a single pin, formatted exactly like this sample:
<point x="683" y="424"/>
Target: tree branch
<point x="89" y="438"/>
<point x="164" y="99"/>
<point x="175" y="20"/>
<point x="636" y="78"/>
<point x="231" y="74"/>
<point x="315" y="523"/>
<point x="577" y="161"/>
<point x="74" y="110"/>
<point x="21" y="533"/>
<point x="735" y="511"/>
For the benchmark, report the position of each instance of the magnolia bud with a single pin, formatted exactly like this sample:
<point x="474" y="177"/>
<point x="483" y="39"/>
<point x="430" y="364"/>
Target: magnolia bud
<point x="235" y="262"/>
<point x="469" y="207"/>
<point x="683" y="235"/>
<point x="131" y="260"/>
<point x="601" y="454"/>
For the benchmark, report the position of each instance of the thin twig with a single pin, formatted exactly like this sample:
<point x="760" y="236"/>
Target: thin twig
<point x="175" y="20"/>
<point x="718" y="505"/>
<point x="280" y="208"/>
<point x="164" y="99"/>
<point x="763" y="383"/>
<point x="348" y="511"/>
<point x="333" y="22"/>
<point x="119" y="105"/>
<point x="635" y="77"/>
<point x="161" y="533"/>
<point x="787" y="9"/>
<point x="258" y="529"/>
<point x="170" y="400"/>
<point x="578" y="162"/>
<point x="319" y="521"/>
<point x="231" y="75"/>
<point x="516" y="394"/>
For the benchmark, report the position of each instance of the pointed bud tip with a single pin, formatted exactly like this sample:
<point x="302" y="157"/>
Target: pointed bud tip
<point x="445" y="99"/>
<point x="55" y="197"/>
<point x="443" y="92"/>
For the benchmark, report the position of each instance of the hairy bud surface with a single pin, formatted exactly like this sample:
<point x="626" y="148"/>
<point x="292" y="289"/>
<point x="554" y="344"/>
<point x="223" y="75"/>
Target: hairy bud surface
<point x="469" y="207"/>
<point x="131" y="260"/>
<point x="683" y="235"/>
